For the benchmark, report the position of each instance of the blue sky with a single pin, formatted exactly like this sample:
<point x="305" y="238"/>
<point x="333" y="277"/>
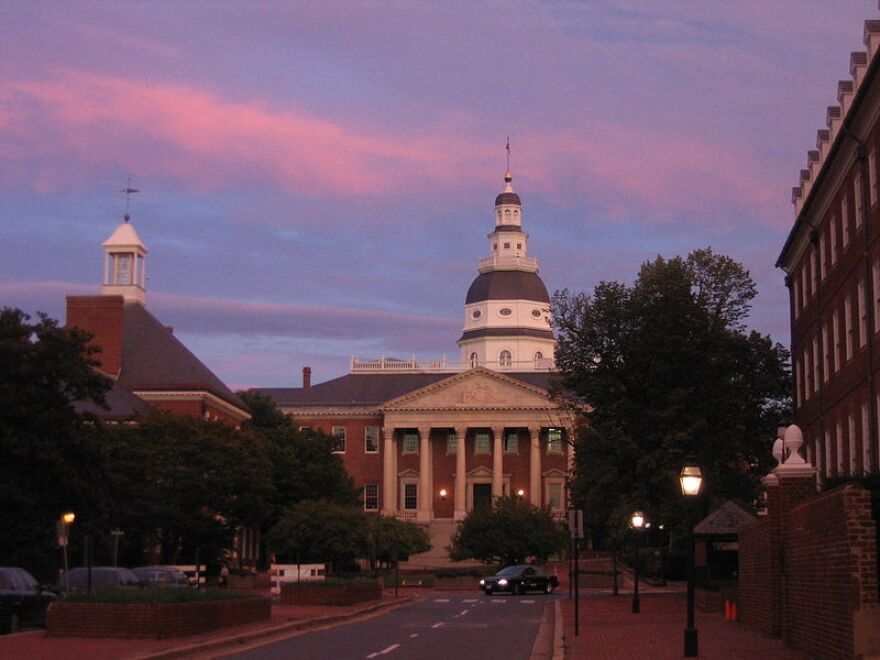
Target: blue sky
<point x="317" y="177"/>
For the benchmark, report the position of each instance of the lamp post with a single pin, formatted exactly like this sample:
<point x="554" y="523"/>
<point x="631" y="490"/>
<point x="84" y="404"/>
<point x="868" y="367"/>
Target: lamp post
<point x="63" y="535"/>
<point x="691" y="481"/>
<point x="637" y="522"/>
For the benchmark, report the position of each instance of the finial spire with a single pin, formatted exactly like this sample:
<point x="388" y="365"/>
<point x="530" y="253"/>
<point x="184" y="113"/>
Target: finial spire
<point x="128" y="190"/>
<point x="507" y="147"/>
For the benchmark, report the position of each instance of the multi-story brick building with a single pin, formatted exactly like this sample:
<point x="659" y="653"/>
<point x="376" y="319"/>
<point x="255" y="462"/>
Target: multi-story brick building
<point x="832" y="262"/>
<point x="427" y="441"/>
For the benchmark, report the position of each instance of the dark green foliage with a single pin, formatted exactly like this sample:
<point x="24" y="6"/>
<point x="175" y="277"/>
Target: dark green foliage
<point x="49" y="458"/>
<point x="508" y="533"/>
<point x="671" y="375"/>
<point x="388" y="539"/>
<point x="153" y="595"/>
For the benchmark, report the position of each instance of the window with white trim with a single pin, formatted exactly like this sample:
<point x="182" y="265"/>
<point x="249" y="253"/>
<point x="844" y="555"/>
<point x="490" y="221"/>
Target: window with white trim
<point x="863" y="316"/>
<point x="844" y="218"/>
<point x="482" y="443"/>
<point x="826" y="352"/>
<point x="452" y="443"/>
<point x="505" y="358"/>
<point x="554" y="441"/>
<point x="806" y="289"/>
<point x="866" y="442"/>
<point x="410" y="496"/>
<point x="872" y="176"/>
<point x="554" y="495"/>
<point x="822" y="255"/>
<point x="835" y="340"/>
<point x="338" y="441"/>
<point x="857" y="195"/>
<point x="808" y="375"/>
<point x="875" y="280"/>
<point x="371" y="439"/>
<point x="832" y="228"/>
<point x="798" y="383"/>
<point x="827" y="451"/>
<point x="838" y="436"/>
<point x="474" y="360"/>
<point x="511" y="443"/>
<point x="815" y="364"/>
<point x="851" y="437"/>
<point x="848" y="326"/>
<point x="410" y="443"/>
<point x="371" y="497"/>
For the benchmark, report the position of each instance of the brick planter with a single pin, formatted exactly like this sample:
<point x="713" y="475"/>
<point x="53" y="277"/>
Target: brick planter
<point x="318" y="593"/>
<point x="457" y="583"/>
<point x="147" y="620"/>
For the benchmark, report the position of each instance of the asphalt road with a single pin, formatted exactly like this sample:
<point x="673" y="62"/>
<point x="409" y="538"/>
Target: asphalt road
<point x="439" y="627"/>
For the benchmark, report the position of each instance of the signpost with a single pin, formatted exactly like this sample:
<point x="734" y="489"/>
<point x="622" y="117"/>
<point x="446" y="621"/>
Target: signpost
<point x="576" y="528"/>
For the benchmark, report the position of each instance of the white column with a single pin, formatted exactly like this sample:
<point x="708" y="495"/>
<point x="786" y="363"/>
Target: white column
<point x="426" y="495"/>
<point x="498" y="462"/>
<point x="535" y="465"/>
<point x="389" y="474"/>
<point x="460" y="473"/>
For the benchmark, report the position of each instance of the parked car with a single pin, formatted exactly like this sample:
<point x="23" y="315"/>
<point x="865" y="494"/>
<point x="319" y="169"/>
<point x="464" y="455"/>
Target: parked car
<point x="22" y="601"/>
<point x="161" y="576"/>
<point x="102" y="576"/>
<point x="519" y="580"/>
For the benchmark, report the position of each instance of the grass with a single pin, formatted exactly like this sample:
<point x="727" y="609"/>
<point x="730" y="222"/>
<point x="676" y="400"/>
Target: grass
<point x="152" y="595"/>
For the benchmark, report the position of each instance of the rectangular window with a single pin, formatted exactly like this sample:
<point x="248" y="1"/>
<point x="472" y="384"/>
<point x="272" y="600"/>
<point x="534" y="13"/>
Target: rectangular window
<point x="875" y="280"/>
<point x="838" y="436"/>
<point x="511" y="443"/>
<point x="451" y="443"/>
<point x="482" y="443"/>
<point x="822" y="255"/>
<point x="554" y="441"/>
<point x="338" y="443"/>
<point x="863" y="317"/>
<point x="844" y="218"/>
<point x="866" y="443"/>
<point x="410" y="496"/>
<point x="796" y="292"/>
<point x="410" y="443"/>
<point x="827" y="450"/>
<point x="848" y="326"/>
<point x="851" y="437"/>
<point x="806" y="289"/>
<point x="872" y="176"/>
<point x="857" y="194"/>
<point x="808" y="375"/>
<point x="371" y="497"/>
<point x="371" y="439"/>
<point x="835" y="340"/>
<point x="507" y="246"/>
<point x="554" y="495"/>
<point x="815" y="364"/>
<point x="798" y="383"/>
<point x="832" y="227"/>
<point x="826" y="352"/>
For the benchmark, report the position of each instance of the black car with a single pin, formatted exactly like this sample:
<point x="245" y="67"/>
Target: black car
<point x="519" y="580"/>
<point x="102" y="576"/>
<point x="22" y="601"/>
<point x="161" y="576"/>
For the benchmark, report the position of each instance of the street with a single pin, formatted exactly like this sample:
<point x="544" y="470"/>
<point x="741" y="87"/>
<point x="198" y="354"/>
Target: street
<point x="436" y="628"/>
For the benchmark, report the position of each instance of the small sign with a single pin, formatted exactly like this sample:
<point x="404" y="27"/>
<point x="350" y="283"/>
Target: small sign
<point x="576" y="523"/>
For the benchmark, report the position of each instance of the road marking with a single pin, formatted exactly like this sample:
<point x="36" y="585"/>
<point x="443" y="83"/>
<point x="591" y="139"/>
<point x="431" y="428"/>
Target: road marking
<point x="499" y="600"/>
<point x="528" y="602"/>
<point x="437" y="625"/>
<point x="384" y="651"/>
<point x="414" y="635"/>
<point x="471" y="600"/>
<point x="463" y="612"/>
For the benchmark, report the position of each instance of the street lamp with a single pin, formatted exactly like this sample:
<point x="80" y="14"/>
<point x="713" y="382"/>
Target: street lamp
<point x="637" y="522"/>
<point x="64" y="524"/>
<point x="691" y="481"/>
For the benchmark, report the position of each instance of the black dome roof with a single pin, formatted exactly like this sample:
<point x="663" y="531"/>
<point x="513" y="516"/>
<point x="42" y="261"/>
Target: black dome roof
<point x="507" y="285"/>
<point x="507" y="198"/>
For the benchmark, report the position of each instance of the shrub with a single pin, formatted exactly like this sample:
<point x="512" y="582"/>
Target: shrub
<point x="152" y="595"/>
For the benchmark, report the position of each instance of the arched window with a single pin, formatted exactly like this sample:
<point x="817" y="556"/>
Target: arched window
<point x="505" y="358"/>
<point x="539" y="357"/>
<point x="474" y="360"/>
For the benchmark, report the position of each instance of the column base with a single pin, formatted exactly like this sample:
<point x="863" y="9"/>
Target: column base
<point x="424" y="516"/>
<point x="459" y="515"/>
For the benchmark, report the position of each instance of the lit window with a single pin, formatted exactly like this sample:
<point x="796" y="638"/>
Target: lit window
<point x="411" y="443"/>
<point x="371" y="439"/>
<point x="338" y="443"/>
<point x="511" y="443"/>
<point x="451" y="443"/>
<point x="371" y="497"/>
<point x="505" y="358"/>
<point x="554" y="441"/>
<point x="482" y="444"/>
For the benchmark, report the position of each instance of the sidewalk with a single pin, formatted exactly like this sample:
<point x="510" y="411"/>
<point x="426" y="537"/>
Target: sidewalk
<point x="36" y="646"/>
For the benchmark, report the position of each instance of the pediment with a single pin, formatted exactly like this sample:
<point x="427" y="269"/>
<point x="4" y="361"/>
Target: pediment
<point x="480" y="472"/>
<point x="479" y="388"/>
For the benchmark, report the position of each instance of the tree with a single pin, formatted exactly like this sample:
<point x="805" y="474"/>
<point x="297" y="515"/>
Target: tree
<point x="507" y="533"/>
<point x="387" y="539"/>
<point x="49" y="460"/>
<point x="669" y="374"/>
<point x="312" y="531"/>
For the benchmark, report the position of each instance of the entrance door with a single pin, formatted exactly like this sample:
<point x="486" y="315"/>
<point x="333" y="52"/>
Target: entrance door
<point x="482" y="495"/>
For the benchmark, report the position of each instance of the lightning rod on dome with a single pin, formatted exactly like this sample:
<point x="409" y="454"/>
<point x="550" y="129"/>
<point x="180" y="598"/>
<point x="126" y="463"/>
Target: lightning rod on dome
<point x="128" y="190"/>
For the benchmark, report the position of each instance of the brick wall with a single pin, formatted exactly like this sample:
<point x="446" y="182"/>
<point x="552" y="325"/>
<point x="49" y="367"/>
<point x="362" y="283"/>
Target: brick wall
<point x="151" y="621"/>
<point x="755" y="599"/>
<point x="102" y="317"/>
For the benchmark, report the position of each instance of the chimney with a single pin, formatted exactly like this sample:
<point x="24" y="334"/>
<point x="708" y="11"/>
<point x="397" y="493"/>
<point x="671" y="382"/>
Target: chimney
<point x="307" y="377"/>
<point x="103" y="318"/>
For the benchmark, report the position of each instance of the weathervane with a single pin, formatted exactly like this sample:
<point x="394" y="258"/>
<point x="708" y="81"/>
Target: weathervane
<point x="507" y="146"/>
<point x="128" y="190"/>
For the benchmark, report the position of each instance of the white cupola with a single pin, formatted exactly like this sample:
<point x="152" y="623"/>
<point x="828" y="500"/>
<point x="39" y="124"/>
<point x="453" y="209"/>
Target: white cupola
<point x="125" y="264"/>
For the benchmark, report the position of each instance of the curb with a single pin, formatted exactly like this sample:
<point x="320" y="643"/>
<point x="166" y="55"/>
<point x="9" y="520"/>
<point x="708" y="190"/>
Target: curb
<point x="293" y="626"/>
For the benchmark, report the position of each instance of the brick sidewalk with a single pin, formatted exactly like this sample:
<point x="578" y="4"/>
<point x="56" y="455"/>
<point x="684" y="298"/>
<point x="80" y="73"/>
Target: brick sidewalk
<point x="609" y="629"/>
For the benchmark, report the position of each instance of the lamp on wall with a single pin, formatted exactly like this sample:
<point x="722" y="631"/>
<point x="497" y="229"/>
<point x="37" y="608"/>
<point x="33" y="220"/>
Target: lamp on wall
<point x="442" y="493"/>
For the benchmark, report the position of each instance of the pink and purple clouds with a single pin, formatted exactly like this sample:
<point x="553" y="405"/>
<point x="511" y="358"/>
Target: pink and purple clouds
<point x="317" y="177"/>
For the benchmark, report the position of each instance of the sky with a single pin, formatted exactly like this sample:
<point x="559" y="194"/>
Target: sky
<point x="317" y="179"/>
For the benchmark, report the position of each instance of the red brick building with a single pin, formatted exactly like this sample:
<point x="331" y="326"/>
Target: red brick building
<point x="832" y="262"/>
<point x="427" y="441"/>
<point x="148" y="364"/>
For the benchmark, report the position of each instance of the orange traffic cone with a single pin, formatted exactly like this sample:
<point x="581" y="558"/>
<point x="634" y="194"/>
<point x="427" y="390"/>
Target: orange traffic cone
<point x="727" y="610"/>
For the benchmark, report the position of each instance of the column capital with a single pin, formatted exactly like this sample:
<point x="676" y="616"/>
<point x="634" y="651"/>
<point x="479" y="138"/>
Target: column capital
<point x="424" y="431"/>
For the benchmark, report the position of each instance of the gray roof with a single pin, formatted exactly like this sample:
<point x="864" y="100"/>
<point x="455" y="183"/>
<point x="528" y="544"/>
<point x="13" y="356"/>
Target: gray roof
<point x="364" y="390"/>
<point x="507" y="198"/>
<point x="154" y="359"/>
<point x="506" y="332"/>
<point x="507" y="285"/>
<point x="727" y="519"/>
<point x="120" y="404"/>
